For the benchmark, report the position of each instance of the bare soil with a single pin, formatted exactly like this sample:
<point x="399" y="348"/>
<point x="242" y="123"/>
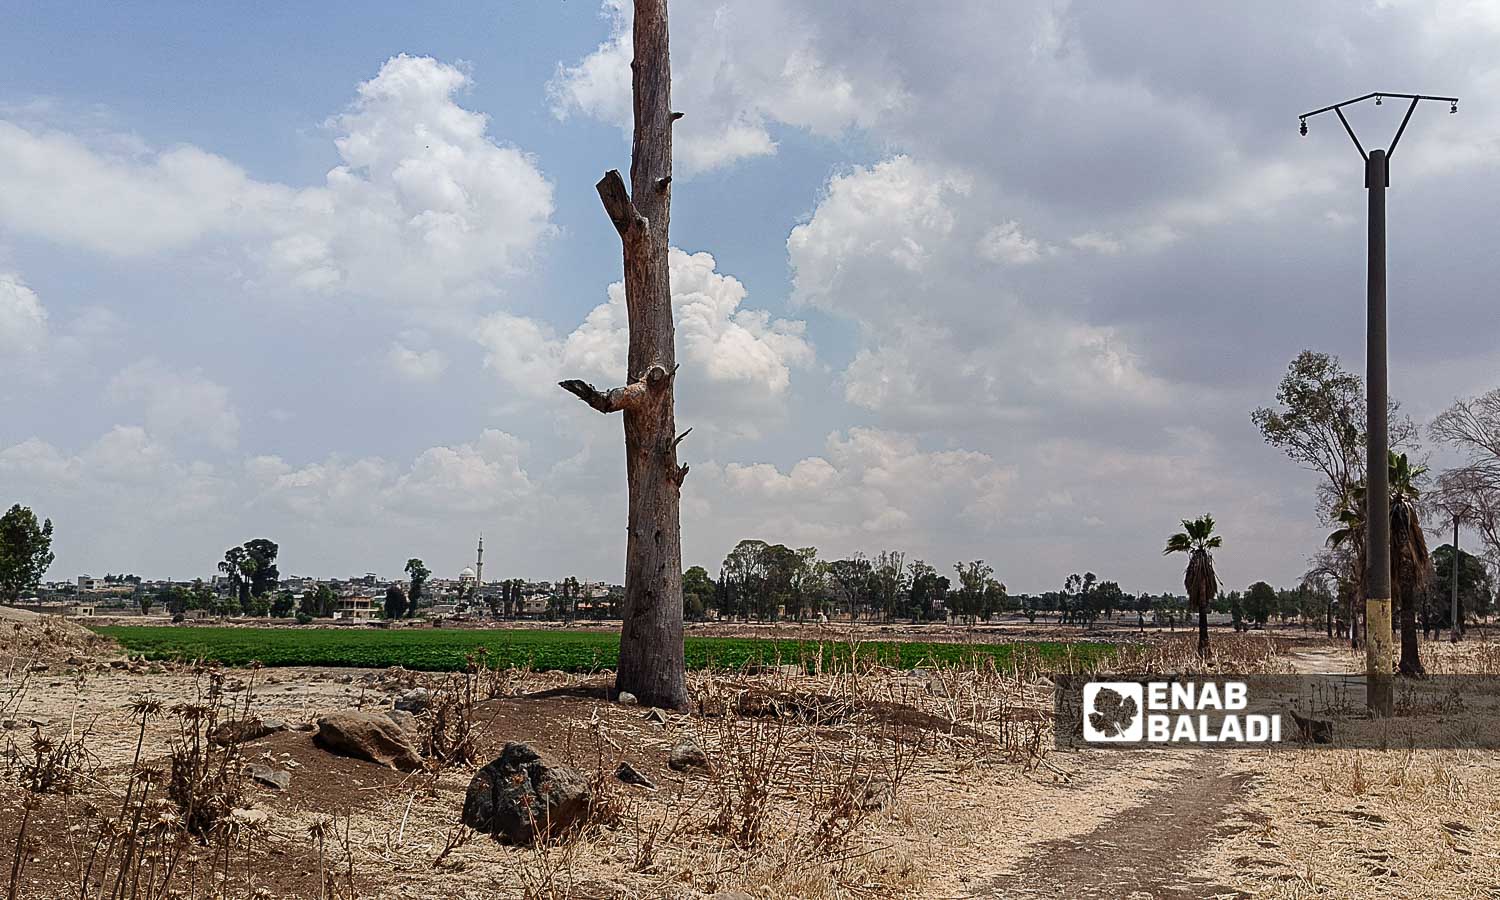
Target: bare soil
<point x="974" y="813"/>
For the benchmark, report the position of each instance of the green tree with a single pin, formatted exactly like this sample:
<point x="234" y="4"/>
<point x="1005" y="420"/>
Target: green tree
<point x="852" y="578"/>
<point x="1198" y="541"/>
<point x="319" y="602"/>
<point x="1260" y="603"/>
<point x="25" y="552"/>
<point x="264" y="576"/>
<point x="418" y="572"/>
<point x="395" y="602"/>
<point x="235" y="566"/>
<point x="1475" y="587"/>
<point x="284" y="604"/>
<point x="697" y="592"/>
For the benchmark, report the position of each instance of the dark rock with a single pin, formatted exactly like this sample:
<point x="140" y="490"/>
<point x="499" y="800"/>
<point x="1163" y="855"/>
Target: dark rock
<point x="415" y="701"/>
<point x="522" y="797"/>
<point x="1316" y="731"/>
<point x="238" y="731"/>
<point x="276" y="779"/>
<point x="368" y="735"/>
<point x="630" y="775"/>
<point x="687" y="755"/>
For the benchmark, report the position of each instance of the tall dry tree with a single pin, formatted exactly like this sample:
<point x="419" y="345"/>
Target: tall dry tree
<point x="651" y="654"/>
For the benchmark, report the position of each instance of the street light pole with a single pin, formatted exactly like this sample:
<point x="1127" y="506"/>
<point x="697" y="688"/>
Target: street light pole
<point x="1379" y="644"/>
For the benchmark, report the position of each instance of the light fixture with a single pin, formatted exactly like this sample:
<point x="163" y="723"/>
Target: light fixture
<point x="1377" y="99"/>
<point x="1304" y="127"/>
<point x="1454" y="108"/>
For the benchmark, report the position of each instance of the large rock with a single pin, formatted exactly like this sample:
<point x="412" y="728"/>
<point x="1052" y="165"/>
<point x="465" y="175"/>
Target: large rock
<point x="522" y="797"/>
<point x="368" y="735"/>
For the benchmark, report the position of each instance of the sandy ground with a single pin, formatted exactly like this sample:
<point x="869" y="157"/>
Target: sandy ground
<point x="966" y="817"/>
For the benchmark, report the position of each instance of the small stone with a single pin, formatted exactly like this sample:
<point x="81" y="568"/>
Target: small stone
<point x="630" y="775"/>
<point x="626" y="698"/>
<point x="345" y="679"/>
<point x="416" y="700"/>
<point x="687" y="755"/>
<point x="276" y="779"/>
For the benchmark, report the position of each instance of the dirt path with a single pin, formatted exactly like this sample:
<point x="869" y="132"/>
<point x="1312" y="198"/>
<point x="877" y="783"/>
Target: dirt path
<point x="1150" y="850"/>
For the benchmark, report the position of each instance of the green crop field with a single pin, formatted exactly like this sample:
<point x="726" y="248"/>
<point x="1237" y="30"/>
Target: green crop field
<point x="437" y="649"/>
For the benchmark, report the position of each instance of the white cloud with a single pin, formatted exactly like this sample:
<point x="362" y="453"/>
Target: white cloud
<point x="1097" y="242"/>
<point x="416" y="365"/>
<point x="1005" y="243"/>
<point x="425" y="206"/>
<point x="897" y="248"/>
<point x="733" y="359"/>
<point x="185" y="407"/>
<point x="23" y="320"/>
<point x="870" y="489"/>
<point x="737" y="70"/>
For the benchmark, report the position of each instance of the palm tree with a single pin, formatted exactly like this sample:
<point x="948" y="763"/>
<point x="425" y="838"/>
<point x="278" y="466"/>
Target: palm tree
<point x="1351" y="535"/>
<point x="1410" y="560"/>
<point x="1197" y="539"/>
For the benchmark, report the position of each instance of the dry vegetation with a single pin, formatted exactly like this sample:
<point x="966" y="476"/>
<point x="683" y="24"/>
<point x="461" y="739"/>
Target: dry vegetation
<point x="852" y="783"/>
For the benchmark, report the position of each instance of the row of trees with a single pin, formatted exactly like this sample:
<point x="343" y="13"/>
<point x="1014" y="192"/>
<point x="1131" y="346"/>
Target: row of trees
<point x="1319" y="422"/>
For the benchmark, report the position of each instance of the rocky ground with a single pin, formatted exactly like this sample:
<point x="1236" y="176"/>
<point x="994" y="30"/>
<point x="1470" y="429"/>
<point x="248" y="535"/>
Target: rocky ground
<point x="870" y="783"/>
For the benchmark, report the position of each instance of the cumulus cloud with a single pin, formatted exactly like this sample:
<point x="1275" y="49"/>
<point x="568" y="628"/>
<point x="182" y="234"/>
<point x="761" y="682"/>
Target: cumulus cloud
<point x="738" y="70"/>
<point x="416" y="365"/>
<point x="425" y="206"/>
<point x="897" y="248"/>
<point x="182" y="406"/>
<point x="734" y="359"/>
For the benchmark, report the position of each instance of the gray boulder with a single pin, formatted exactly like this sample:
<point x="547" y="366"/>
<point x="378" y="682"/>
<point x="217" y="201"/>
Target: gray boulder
<point x="414" y="701"/>
<point x="522" y="797"/>
<point x="687" y="755"/>
<point x="368" y="735"/>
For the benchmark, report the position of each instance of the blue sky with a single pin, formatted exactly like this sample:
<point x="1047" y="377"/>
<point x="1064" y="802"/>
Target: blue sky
<point x="996" y="281"/>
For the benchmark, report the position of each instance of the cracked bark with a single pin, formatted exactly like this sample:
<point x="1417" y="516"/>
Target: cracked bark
<point x="651" y="654"/>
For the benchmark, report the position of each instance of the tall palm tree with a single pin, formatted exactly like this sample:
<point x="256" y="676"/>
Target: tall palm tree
<point x="1197" y="540"/>
<point x="1410" y="561"/>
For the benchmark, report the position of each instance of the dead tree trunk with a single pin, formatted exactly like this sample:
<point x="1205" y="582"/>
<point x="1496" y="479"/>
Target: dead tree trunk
<point x="651" y="655"/>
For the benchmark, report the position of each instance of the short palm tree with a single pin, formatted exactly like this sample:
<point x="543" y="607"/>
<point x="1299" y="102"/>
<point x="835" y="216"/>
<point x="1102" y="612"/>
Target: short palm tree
<point x="1197" y="540"/>
<point x="1410" y="561"/>
<point x="1351" y="535"/>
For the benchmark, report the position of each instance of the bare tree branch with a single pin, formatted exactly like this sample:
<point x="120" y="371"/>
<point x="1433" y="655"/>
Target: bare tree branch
<point x="616" y="199"/>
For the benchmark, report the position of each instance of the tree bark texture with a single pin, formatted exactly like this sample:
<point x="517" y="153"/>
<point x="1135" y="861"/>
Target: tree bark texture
<point x="651" y="652"/>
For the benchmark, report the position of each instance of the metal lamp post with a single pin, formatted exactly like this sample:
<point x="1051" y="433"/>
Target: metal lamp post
<point x="1379" y="646"/>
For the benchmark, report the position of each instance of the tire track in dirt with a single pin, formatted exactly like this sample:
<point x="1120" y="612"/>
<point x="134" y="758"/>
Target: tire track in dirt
<point x="1151" y="850"/>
